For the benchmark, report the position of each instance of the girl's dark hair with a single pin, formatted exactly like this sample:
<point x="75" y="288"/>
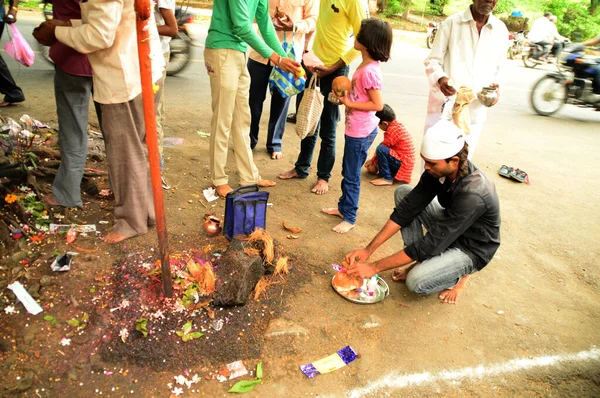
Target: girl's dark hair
<point x="377" y="36"/>
<point x="386" y="114"/>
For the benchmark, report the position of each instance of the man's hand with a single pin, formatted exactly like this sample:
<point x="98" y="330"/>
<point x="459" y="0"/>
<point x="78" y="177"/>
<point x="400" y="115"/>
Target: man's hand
<point x="45" y="33"/>
<point x="357" y="255"/>
<point x="497" y="91"/>
<point x="362" y="270"/>
<point x="445" y="87"/>
<point x="284" y="23"/>
<point x="323" y="71"/>
<point x="286" y="64"/>
<point x="11" y="15"/>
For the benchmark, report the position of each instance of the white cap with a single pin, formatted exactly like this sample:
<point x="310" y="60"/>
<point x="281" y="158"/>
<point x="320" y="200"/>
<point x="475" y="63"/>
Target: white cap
<point x="442" y="141"/>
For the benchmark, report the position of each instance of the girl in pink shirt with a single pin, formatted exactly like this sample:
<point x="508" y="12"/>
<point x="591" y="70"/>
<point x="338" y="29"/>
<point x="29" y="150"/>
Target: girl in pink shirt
<point x="374" y="41"/>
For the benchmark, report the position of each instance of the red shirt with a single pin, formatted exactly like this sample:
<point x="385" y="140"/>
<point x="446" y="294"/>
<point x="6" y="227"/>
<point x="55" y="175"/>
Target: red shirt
<point x="64" y="57"/>
<point x="398" y="139"/>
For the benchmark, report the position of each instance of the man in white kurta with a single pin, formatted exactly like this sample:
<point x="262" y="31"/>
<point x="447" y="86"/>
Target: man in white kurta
<point x="469" y="50"/>
<point x="107" y="34"/>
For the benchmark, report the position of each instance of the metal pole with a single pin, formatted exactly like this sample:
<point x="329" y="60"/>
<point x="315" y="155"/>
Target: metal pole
<point x="143" y="10"/>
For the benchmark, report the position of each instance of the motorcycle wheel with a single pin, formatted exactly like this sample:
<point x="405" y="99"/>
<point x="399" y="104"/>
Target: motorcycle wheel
<point x="430" y="40"/>
<point x="529" y="63"/>
<point x="548" y="96"/>
<point x="180" y="54"/>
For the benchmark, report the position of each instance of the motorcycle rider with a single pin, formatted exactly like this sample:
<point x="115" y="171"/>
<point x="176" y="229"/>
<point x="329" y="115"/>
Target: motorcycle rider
<point x="558" y="41"/>
<point x="595" y="96"/>
<point x="541" y="33"/>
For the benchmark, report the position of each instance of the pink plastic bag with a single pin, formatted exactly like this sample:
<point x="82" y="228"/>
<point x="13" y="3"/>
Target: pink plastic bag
<point x="18" y="48"/>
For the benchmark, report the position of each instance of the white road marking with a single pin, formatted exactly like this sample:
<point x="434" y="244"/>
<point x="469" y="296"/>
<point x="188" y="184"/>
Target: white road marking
<point x="397" y="380"/>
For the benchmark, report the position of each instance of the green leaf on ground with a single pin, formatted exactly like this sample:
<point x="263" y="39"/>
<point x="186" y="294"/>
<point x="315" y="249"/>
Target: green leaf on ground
<point x="244" y="386"/>
<point x="51" y="319"/>
<point x="73" y="322"/>
<point x="140" y="326"/>
<point x="259" y="372"/>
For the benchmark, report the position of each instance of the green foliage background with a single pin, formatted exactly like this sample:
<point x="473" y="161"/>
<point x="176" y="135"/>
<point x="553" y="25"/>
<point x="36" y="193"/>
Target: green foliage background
<point x="577" y="19"/>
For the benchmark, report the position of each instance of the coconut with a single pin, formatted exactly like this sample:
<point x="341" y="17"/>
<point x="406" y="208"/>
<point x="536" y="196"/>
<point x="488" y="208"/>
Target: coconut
<point x="341" y="86"/>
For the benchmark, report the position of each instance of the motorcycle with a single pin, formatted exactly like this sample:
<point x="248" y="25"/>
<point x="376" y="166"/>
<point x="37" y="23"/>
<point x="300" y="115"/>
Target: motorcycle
<point x="515" y="47"/>
<point x="431" y="32"/>
<point x="532" y="53"/>
<point x="573" y="84"/>
<point x="180" y="45"/>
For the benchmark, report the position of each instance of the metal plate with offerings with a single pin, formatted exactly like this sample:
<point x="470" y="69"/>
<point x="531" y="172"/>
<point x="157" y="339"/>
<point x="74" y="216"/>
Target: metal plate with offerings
<point x="368" y="291"/>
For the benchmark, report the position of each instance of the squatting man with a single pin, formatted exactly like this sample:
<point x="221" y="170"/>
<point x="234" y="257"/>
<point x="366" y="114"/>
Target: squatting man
<point x="463" y="222"/>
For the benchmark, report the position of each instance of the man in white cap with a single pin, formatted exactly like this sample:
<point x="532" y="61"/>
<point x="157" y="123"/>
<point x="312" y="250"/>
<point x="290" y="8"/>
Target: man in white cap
<point x="463" y="223"/>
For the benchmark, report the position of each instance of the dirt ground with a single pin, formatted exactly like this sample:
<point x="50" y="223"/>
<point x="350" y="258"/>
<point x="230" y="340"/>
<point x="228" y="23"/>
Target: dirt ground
<point x="538" y="297"/>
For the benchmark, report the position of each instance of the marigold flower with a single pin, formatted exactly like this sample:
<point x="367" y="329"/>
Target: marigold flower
<point x="10" y="198"/>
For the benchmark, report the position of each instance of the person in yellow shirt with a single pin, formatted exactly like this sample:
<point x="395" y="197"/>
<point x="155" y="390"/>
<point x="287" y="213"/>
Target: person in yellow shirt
<point x="338" y="19"/>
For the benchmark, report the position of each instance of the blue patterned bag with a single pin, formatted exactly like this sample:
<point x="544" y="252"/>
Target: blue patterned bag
<point x="286" y="83"/>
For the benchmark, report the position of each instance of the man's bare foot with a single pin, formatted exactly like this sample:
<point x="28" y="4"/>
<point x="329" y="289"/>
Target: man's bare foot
<point x="266" y="183"/>
<point x="321" y="187"/>
<point x="223" y="190"/>
<point x="381" y="182"/>
<point x="49" y="200"/>
<point x="343" y="227"/>
<point x="276" y="155"/>
<point x="113" y="237"/>
<point x="400" y="273"/>
<point x="450" y="296"/>
<point x="4" y="104"/>
<point x="289" y="175"/>
<point x="332" y="211"/>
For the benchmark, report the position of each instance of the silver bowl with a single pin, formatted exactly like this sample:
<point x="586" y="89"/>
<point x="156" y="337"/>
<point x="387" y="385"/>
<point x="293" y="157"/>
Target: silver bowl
<point x="488" y="95"/>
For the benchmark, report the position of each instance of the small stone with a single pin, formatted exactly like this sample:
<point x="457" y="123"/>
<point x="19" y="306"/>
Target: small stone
<point x="34" y="291"/>
<point x="370" y="322"/>
<point x="500" y="312"/>
<point x="18" y="257"/>
<point x="4" y="345"/>
<point x="46" y="281"/>
<point x="72" y="375"/>
<point x="282" y="327"/>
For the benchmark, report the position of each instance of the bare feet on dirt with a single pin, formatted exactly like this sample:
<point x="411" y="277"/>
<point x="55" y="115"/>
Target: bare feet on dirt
<point x="113" y="237"/>
<point x="321" y="187"/>
<point x="223" y="190"/>
<point x="276" y="155"/>
<point x="266" y="183"/>
<point x="49" y="200"/>
<point x="343" y="227"/>
<point x="381" y="182"/>
<point x="400" y="273"/>
<point x="332" y="211"/>
<point x="289" y="175"/>
<point x="450" y="296"/>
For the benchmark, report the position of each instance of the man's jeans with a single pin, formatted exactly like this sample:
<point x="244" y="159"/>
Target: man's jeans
<point x="439" y="272"/>
<point x="259" y="81"/>
<point x="72" y="95"/>
<point x="546" y="46"/>
<point x="388" y="165"/>
<point x="356" y="151"/>
<point x="325" y="129"/>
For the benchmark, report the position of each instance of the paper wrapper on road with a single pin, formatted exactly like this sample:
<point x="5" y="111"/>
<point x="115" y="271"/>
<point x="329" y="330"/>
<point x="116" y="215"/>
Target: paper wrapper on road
<point x="328" y="364"/>
<point x="460" y="113"/>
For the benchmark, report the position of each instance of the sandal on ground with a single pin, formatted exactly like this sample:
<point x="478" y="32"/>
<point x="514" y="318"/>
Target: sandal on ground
<point x="505" y="171"/>
<point x="519" y="175"/>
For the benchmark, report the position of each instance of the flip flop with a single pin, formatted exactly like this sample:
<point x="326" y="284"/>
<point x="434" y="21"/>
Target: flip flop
<point x="519" y="175"/>
<point x="505" y="171"/>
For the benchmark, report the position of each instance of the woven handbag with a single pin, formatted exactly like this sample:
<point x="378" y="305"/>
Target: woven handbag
<point x="310" y="109"/>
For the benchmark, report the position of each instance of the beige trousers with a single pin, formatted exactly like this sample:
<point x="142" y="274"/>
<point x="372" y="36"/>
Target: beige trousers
<point x="160" y="109"/>
<point x="230" y="89"/>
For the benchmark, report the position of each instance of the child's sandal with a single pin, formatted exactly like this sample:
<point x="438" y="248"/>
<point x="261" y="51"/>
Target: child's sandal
<point x="505" y="171"/>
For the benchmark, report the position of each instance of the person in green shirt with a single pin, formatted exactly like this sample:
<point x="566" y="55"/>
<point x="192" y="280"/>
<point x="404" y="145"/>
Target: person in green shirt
<point x="225" y="57"/>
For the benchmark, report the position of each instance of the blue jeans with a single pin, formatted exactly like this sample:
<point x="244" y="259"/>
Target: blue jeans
<point x="356" y="151"/>
<point x="439" y="272"/>
<point x="259" y="81"/>
<point x="388" y="165"/>
<point x="326" y="130"/>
